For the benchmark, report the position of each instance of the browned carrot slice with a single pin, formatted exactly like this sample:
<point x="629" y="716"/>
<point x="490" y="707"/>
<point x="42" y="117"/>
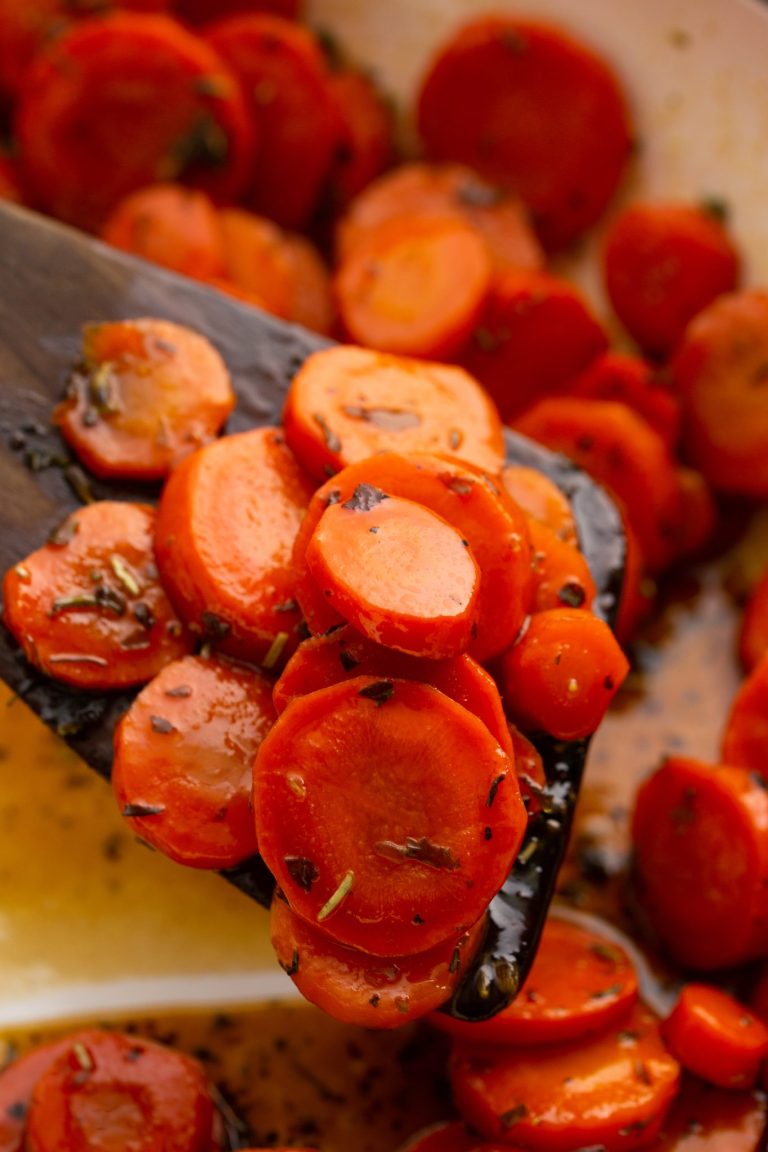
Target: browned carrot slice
<point x="745" y="737"/>
<point x="716" y="1037"/>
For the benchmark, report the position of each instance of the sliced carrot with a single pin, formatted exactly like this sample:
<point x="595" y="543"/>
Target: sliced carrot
<point x="344" y="654"/>
<point x="513" y="352"/>
<point x="745" y="737"/>
<point x="707" y="1119"/>
<point x="171" y="225"/>
<point x="753" y="632"/>
<point x="533" y="110"/>
<point x="663" y="261"/>
<point x="416" y="287"/>
<point x="701" y="862"/>
<point x="17" y="1081"/>
<point x="147" y="393"/>
<point x="368" y="991"/>
<point x="493" y="526"/>
<point x="716" y="1037"/>
<point x="125" y="101"/>
<point x="719" y="372"/>
<point x="561" y="575"/>
<point x="87" y="608"/>
<point x="112" y="1089"/>
<point x="312" y="302"/>
<point x="612" y="1090"/>
<point x="439" y="190"/>
<point x="531" y="773"/>
<point x="541" y="499"/>
<point x="402" y="575"/>
<point x="366" y="145"/>
<point x="283" y="72"/>
<point x="225" y="528"/>
<point x="346" y="403"/>
<point x="636" y="383"/>
<point x="562" y="673"/>
<point x="183" y="760"/>
<point x="388" y="813"/>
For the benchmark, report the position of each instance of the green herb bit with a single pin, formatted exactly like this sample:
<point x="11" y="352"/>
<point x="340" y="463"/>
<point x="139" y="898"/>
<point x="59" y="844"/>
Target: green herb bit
<point x="337" y="898"/>
<point x="276" y="650"/>
<point x="125" y="575"/>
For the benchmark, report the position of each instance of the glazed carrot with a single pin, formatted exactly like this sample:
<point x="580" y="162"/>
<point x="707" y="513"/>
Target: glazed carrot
<point x="714" y="1036"/>
<point x="440" y="190"/>
<point x="146" y="393"/>
<point x="513" y="352"/>
<point x="225" y="527"/>
<point x="452" y="1136"/>
<point x="346" y="403"/>
<point x="531" y="773"/>
<point x="719" y="372"/>
<point x="344" y="654"/>
<point x="541" y="499"/>
<point x="283" y="72"/>
<point x="368" y="991"/>
<point x="562" y="673"/>
<point x="366" y="145"/>
<point x="707" y="1119"/>
<point x="183" y="760"/>
<point x="84" y="95"/>
<point x="753" y="632"/>
<point x="111" y="1089"/>
<point x="87" y="608"/>
<point x="636" y="383"/>
<point x="663" y="261"/>
<point x="534" y="110"/>
<point x="580" y="984"/>
<point x="402" y="575"/>
<point x="203" y="11"/>
<point x="420" y="818"/>
<point x="416" y="287"/>
<point x="17" y="1080"/>
<point x="701" y="861"/>
<point x="746" y="728"/>
<point x="171" y="225"/>
<point x="493" y="526"/>
<point x="612" y="1090"/>
<point x="561" y="575"/>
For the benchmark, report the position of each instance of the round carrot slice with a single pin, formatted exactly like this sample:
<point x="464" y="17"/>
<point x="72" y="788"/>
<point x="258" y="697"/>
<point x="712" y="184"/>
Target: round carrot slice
<point x="533" y="110"/>
<point x="87" y="608"/>
<point x="613" y="1090"/>
<point x="82" y="100"/>
<point x="146" y="393"/>
<point x="17" y="1080"/>
<point x="716" y="1037"/>
<point x="745" y="737"/>
<point x="113" y="1090"/>
<point x="561" y="575"/>
<point x="636" y="383"/>
<point x="368" y="991"/>
<point x="183" y="763"/>
<point x="388" y="814"/>
<point x="541" y="499"/>
<point x="401" y="574"/>
<point x="366" y="144"/>
<point x="346" y="403"/>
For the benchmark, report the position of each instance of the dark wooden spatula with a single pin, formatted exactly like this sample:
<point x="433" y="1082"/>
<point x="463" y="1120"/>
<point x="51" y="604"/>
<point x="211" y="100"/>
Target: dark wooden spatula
<point x="52" y="281"/>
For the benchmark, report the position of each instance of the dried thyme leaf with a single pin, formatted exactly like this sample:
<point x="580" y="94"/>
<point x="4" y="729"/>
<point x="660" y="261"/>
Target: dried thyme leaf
<point x="379" y="692"/>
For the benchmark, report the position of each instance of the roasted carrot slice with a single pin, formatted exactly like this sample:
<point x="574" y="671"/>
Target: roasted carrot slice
<point x="716" y="1037"/>
<point x="636" y="383"/>
<point x="112" y="1089"/>
<point x="183" y="763"/>
<point x="612" y="1090"/>
<point x="745" y="737"/>
<point x="416" y="287"/>
<point x="346" y="403"/>
<point x="17" y="1081"/>
<point x="753" y="633"/>
<point x="707" y="1119"/>
<point x="533" y="110"/>
<point x="368" y="991"/>
<point x="561" y="575"/>
<point x="225" y="528"/>
<point x="562" y="673"/>
<point x="87" y="608"/>
<point x="401" y="574"/>
<point x="581" y="983"/>
<point x="541" y="499"/>
<point x="701" y="861"/>
<point x="146" y="393"/>
<point x="388" y="813"/>
<point x="366" y="145"/>
<point x="77" y="115"/>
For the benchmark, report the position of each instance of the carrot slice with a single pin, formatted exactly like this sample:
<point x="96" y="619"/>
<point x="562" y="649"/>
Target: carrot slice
<point x="636" y="383"/>
<point x="561" y="575"/>
<point x="701" y="858"/>
<point x="78" y="110"/>
<point x="580" y="983"/>
<point x="416" y="287"/>
<point x="111" y="1089"/>
<point x="663" y="261"/>
<point x="753" y="633"/>
<point x="541" y="499"/>
<point x="514" y="352"/>
<point x="612" y="1090"/>
<point x="146" y="393"/>
<point x="531" y="773"/>
<point x="184" y="752"/>
<point x="346" y="403"/>
<point x="388" y="813"/>
<point x="225" y="528"/>
<point x="745" y="737"/>
<point x="87" y="608"/>
<point x="17" y="1080"/>
<point x="707" y="1119"/>
<point x="366" y="144"/>
<point x="534" y="110"/>
<point x="368" y="991"/>
<point x="714" y="1036"/>
<point x="562" y="673"/>
<point x="401" y="574"/>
